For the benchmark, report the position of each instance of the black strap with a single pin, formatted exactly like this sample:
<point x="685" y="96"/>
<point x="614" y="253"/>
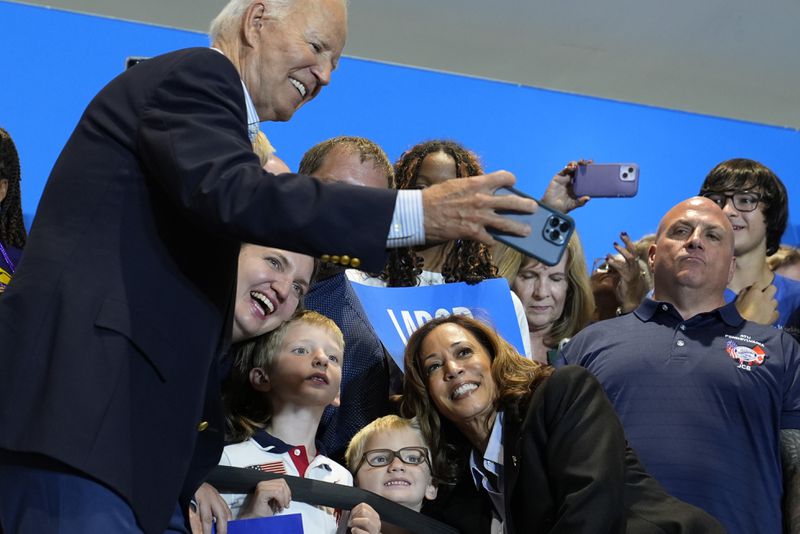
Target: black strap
<point x="228" y="479"/>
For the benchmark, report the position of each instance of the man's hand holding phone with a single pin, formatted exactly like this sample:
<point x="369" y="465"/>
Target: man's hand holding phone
<point x="466" y="207"/>
<point x="550" y="231"/>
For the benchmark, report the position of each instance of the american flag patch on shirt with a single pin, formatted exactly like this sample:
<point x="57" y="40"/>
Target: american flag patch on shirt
<point x="270" y="467"/>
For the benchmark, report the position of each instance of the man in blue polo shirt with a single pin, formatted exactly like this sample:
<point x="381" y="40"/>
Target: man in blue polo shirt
<point x="708" y="400"/>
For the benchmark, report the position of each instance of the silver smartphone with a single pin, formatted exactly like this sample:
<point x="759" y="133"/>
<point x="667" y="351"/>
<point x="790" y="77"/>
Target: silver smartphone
<point x="550" y="231"/>
<point x="606" y="180"/>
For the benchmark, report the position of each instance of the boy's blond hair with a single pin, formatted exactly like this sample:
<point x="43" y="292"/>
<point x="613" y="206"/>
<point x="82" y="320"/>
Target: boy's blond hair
<point x="247" y="410"/>
<point x="355" y="450"/>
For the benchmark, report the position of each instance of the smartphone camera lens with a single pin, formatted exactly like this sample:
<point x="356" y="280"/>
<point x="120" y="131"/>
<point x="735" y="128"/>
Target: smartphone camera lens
<point x="624" y="174"/>
<point x="556" y="230"/>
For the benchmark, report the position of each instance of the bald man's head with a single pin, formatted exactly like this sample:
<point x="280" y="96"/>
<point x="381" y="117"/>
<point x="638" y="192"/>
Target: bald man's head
<point x="693" y="250"/>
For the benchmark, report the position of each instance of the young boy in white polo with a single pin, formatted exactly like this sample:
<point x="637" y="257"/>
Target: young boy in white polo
<point x="280" y="385"/>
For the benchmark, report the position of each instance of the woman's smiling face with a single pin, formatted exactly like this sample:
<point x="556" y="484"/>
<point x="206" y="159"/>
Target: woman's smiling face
<point x="457" y="372"/>
<point x="270" y="284"/>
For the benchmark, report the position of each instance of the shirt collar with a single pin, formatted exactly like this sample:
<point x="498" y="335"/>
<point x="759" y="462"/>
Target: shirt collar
<point x="730" y="314"/>
<point x="252" y="115"/>
<point x="493" y="454"/>
<point x="253" y="120"/>
<point x="648" y="308"/>
<point x="494" y="449"/>
<point x="267" y="440"/>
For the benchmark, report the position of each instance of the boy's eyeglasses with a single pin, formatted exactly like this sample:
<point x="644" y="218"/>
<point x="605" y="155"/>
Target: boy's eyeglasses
<point x="384" y="457"/>
<point x="742" y="200"/>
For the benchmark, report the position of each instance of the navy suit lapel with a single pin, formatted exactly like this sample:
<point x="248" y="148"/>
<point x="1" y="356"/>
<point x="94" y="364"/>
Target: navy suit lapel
<point x="512" y="460"/>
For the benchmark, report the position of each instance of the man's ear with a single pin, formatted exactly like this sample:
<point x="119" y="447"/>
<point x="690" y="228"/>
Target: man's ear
<point x="651" y="257"/>
<point x="3" y="189"/>
<point x="259" y="380"/>
<point x="253" y="20"/>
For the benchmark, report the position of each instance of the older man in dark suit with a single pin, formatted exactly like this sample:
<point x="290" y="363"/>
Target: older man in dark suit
<point x="112" y="326"/>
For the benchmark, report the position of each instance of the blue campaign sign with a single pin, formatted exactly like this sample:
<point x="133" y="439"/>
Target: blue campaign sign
<point x="279" y="524"/>
<point x="396" y="312"/>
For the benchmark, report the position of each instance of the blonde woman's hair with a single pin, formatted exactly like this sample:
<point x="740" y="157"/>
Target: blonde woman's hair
<point x="507" y="260"/>
<point x="579" y="300"/>
<point x="263" y="148"/>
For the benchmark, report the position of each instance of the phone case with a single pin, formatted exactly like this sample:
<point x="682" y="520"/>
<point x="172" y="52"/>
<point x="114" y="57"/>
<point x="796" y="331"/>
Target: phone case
<point x="606" y="180"/>
<point x="550" y="231"/>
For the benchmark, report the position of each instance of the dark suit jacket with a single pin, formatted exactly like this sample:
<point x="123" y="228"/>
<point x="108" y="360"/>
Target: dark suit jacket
<point x="568" y="470"/>
<point x="366" y="371"/>
<point x="124" y="297"/>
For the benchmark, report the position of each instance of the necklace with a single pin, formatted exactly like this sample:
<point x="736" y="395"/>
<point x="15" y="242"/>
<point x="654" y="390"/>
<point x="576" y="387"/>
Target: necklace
<point x="7" y="258"/>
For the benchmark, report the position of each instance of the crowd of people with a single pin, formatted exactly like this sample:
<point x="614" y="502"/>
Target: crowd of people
<point x="174" y="310"/>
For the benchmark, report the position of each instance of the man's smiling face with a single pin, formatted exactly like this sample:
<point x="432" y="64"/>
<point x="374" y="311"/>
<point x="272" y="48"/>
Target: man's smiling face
<point x="293" y="55"/>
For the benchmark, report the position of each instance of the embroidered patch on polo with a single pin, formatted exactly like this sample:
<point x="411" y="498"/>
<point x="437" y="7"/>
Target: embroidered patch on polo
<point x="742" y="354"/>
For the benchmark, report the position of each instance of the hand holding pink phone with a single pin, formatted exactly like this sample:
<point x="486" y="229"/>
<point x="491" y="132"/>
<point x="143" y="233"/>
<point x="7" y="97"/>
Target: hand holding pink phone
<point x="606" y="180"/>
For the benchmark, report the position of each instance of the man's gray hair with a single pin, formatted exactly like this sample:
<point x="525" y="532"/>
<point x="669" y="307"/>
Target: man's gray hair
<point x="229" y="19"/>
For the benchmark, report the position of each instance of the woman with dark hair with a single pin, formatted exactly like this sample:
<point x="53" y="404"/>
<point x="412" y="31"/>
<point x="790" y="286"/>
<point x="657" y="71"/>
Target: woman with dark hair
<point x="12" y="226"/>
<point x="426" y="164"/>
<point x="423" y="165"/>
<point x="530" y="449"/>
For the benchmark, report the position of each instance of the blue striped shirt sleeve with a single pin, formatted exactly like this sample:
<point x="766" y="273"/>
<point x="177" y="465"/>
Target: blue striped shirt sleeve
<point x="408" y="222"/>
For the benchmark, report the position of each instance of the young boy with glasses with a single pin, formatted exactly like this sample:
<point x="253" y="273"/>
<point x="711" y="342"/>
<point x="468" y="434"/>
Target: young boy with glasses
<point x="391" y="458"/>
<point x="756" y="203"/>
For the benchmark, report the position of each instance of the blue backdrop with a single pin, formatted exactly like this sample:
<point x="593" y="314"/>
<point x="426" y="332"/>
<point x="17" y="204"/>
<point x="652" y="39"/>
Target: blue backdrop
<point x="55" y="61"/>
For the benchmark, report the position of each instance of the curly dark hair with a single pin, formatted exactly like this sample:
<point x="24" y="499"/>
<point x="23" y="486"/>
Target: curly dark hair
<point x="465" y="261"/>
<point x="515" y="376"/>
<point x="741" y="174"/>
<point x="12" y="225"/>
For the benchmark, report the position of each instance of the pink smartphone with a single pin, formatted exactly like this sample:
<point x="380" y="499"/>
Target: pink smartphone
<point x="606" y="180"/>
